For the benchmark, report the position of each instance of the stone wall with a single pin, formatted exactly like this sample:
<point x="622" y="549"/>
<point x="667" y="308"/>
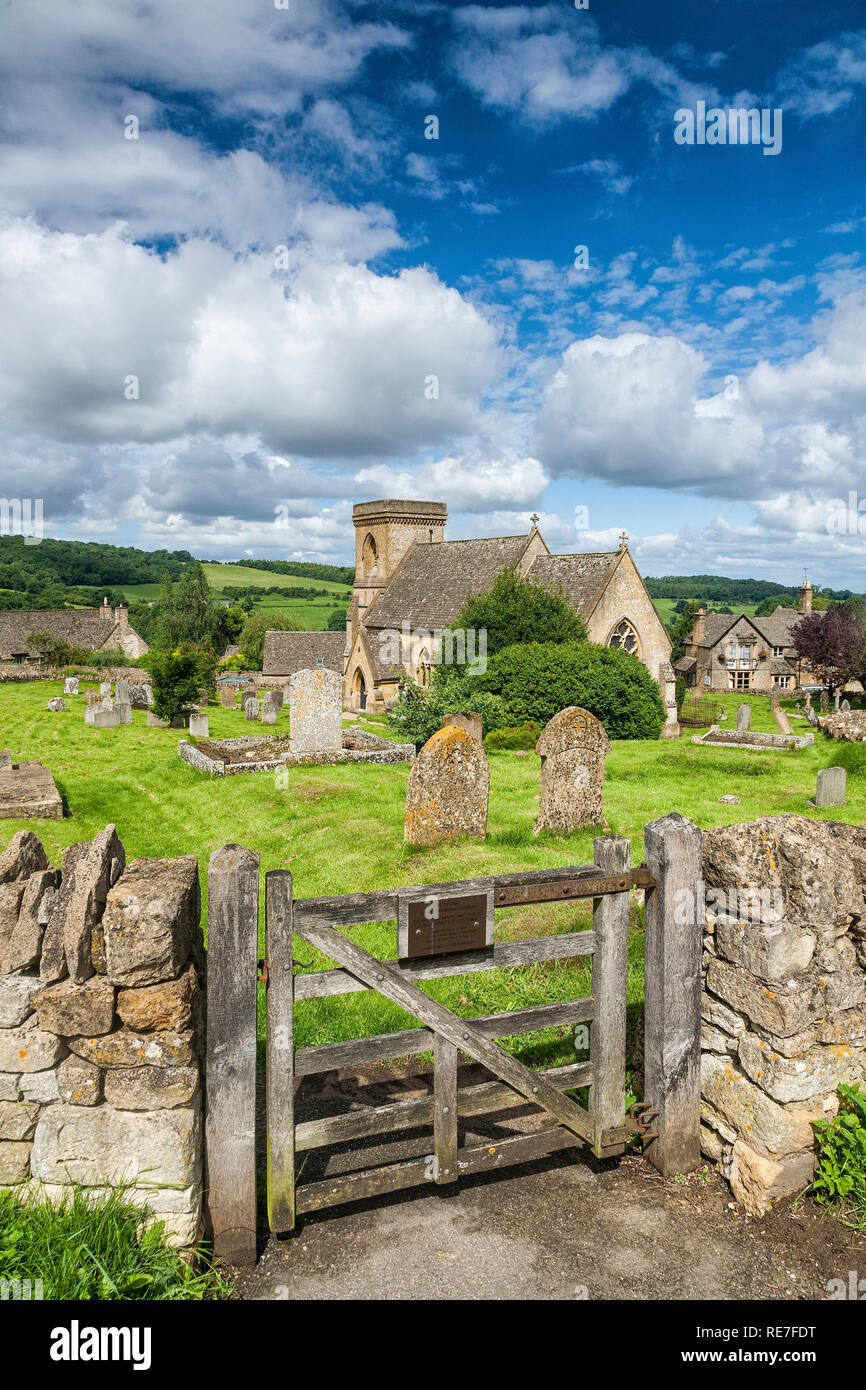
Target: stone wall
<point x="784" y="1018"/>
<point x="101" y="1028"/>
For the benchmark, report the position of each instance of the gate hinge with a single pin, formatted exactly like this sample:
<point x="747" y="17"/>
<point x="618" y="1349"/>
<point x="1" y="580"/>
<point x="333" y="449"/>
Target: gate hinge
<point x="639" y="1119"/>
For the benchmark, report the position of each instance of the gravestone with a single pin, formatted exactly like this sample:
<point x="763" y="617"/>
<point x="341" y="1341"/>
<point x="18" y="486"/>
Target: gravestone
<point x="798" y="708"/>
<point x="140" y="696"/>
<point x="845" y="705"/>
<point x="825" y="702"/>
<point x="227" y="696"/>
<point x="572" y="747"/>
<point x="123" y="710"/>
<point x="105" y="719"/>
<point x="251" y="708"/>
<point x="105" y="687"/>
<point x="121" y="693"/>
<point x="198" y="726"/>
<point x="154" y="721"/>
<point x="92" y="697"/>
<point x="316" y="711"/>
<point x="269" y="711"/>
<point x="774" y="698"/>
<point x="668" y="686"/>
<point x="744" y="716"/>
<point x="723" y="716"/>
<point x="448" y="791"/>
<point x="57" y="705"/>
<point x="70" y="685"/>
<point x="470" y="721"/>
<point x="276" y="698"/>
<point x="811" y="717"/>
<point x="836" y="699"/>
<point x="830" y="790"/>
<point x="808" y="700"/>
<point x="782" y="720"/>
<point x="286" y="693"/>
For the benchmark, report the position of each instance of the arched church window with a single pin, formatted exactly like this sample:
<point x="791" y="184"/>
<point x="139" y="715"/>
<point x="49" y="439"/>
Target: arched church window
<point x="624" y="637"/>
<point x="425" y="668"/>
<point x="369" y="555"/>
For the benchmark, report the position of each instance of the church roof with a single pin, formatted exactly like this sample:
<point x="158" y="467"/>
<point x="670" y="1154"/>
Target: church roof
<point x="287" y="652"/>
<point x="80" y="627"/>
<point x="434" y="581"/>
<point x="581" y="577"/>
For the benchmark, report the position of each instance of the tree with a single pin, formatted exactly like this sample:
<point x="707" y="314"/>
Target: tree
<point x="518" y="610"/>
<point x="681" y="631"/>
<point x="337" y="620"/>
<point x="175" y="681"/>
<point x="186" y="611"/>
<point x="832" y="644"/>
<point x="538" y="679"/>
<point x="252" y="638"/>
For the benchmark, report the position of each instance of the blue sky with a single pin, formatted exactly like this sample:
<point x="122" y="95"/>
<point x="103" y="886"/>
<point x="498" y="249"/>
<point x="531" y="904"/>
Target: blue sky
<point x="280" y="297"/>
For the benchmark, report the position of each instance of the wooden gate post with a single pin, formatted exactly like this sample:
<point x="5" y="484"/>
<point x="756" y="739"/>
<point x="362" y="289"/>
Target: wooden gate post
<point x="230" y="1129"/>
<point x="611" y="855"/>
<point x="280" y="1059"/>
<point x="672" y="1015"/>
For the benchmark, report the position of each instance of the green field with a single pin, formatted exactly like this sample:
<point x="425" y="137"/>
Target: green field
<point x="665" y="609"/>
<point x="340" y="829"/>
<point x="311" y="613"/>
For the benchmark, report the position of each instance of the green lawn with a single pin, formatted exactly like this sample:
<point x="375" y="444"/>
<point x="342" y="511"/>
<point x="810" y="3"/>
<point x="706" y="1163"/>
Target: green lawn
<point x="311" y="613"/>
<point x="340" y="829"/>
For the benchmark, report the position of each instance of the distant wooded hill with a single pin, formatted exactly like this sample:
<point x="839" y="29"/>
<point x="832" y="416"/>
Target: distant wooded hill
<point x="717" y="589"/>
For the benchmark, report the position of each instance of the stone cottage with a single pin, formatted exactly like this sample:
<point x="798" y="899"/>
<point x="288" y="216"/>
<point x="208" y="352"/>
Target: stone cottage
<point x="411" y="583"/>
<point x="96" y="629"/>
<point x="734" y="652"/>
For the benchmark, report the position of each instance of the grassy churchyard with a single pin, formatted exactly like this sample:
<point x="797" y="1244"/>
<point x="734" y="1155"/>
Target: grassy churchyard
<point x="340" y="829"/>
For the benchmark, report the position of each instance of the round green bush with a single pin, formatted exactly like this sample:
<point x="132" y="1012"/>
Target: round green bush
<point x="536" y="680"/>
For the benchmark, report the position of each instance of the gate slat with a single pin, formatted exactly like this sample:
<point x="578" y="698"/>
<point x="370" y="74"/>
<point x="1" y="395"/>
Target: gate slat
<point x="381" y="1046"/>
<point x="487" y="1096"/>
<point x="384" y="978"/>
<point x="503" y="956"/>
<point x="444" y="1110"/>
<point x="280" y="1052"/>
<point x="393" y="1177"/>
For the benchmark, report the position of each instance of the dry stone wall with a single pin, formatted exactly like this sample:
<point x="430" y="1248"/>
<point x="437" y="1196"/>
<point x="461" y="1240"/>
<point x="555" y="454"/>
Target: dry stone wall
<point x="101" y="1028"/>
<point x="784" y="1001"/>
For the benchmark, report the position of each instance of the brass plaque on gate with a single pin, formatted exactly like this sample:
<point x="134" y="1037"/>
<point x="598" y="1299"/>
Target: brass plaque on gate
<point x="440" y="926"/>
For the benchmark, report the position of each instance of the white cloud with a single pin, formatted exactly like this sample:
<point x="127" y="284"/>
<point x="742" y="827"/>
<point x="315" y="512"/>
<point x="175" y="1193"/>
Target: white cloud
<point x="826" y="78"/>
<point x="468" y="482"/>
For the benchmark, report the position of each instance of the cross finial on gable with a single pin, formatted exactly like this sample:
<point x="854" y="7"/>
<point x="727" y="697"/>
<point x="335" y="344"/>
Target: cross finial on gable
<point x="623" y="540"/>
<point x="534" y="519"/>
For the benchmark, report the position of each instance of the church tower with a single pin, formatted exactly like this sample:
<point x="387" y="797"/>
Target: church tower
<point x="384" y="531"/>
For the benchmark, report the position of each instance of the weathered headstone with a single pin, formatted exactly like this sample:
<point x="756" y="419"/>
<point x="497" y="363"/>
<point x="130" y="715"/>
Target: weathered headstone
<point x="121" y="692"/>
<point x="668" y="684"/>
<point x="251" y="708"/>
<point x="811" y="716"/>
<point x="808" y="700"/>
<point x="269" y="712"/>
<point x="123" y="710"/>
<point x="782" y="720"/>
<point x="836" y="698"/>
<point x="845" y="705"/>
<point x="744" y="716"/>
<point x="276" y="698"/>
<point x="92" y="697"/>
<point x="469" y="721"/>
<point x="105" y="719"/>
<point x="105" y="687"/>
<point x="316" y="711"/>
<point x="825" y="702"/>
<point x="154" y="721"/>
<point x="70" y="685"/>
<point x="448" y="791"/>
<point x="198" y="726"/>
<point x="573" y="746"/>
<point x="830" y="790"/>
<point x="140" y="696"/>
<point x="227" y="696"/>
<point x="774" y="697"/>
<point x="57" y="705"/>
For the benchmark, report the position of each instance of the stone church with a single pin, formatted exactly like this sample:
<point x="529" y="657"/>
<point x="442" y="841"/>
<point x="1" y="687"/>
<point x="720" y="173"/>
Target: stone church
<point x="411" y="583"/>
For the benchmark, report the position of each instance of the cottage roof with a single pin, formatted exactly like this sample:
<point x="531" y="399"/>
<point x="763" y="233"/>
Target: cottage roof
<point x="434" y="581"/>
<point x="685" y="664"/>
<point x="287" y="652"/>
<point x="80" y="627"/>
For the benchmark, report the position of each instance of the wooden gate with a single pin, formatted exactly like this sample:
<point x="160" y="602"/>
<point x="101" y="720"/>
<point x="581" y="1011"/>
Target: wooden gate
<point x="672" y="1027"/>
<point x="601" y="1127"/>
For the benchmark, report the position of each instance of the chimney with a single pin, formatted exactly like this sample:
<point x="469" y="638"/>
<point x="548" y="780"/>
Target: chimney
<point x="699" y="629"/>
<point x="805" y="604"/>
<point x="121" y="616"/>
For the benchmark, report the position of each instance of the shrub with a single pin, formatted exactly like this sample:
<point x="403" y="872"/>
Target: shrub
<point x="537" y="680"/>
<point x="840" y="1170"/>
<point x="524" y="736"/>
<point x="851" y="756"/>
<point x="418" y="712"/>
<point x="175" y="681"/>
<point x="252" y="638"/>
